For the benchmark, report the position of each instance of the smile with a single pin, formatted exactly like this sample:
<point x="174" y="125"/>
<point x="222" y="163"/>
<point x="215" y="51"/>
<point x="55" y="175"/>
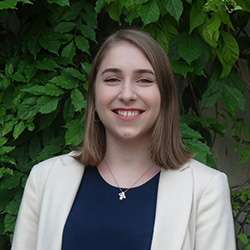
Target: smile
<point x="128" y="114"/>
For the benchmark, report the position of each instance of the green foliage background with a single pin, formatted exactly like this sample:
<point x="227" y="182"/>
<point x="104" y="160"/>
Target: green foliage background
<point x="45" y="53"/>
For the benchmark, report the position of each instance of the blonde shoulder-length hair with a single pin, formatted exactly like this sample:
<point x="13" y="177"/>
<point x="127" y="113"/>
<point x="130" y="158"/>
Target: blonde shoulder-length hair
<point x="166" y="148"/>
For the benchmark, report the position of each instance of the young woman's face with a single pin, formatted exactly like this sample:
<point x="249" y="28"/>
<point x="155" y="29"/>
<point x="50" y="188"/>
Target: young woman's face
<point x="127" y="96"/>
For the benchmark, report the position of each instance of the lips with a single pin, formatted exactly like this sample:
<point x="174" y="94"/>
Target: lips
<point x="128" y="114"/>
<point x="128" y="110"/>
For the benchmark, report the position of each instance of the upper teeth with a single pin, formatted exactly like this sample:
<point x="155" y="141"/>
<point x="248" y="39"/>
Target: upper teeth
<point x="128" y="113"/>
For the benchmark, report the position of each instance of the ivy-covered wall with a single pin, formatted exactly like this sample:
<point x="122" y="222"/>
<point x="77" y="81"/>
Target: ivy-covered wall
<point x="46" y="48"/>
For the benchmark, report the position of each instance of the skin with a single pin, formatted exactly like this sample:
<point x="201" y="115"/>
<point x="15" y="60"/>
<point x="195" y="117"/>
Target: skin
<point x="126" y="79"/>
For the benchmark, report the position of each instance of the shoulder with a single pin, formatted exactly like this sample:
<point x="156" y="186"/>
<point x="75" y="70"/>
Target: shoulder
<point x="203" y="171"/>
<point x="59" y="166"/>
<point x="45" y="166"/>
<point x="207" y="179"/>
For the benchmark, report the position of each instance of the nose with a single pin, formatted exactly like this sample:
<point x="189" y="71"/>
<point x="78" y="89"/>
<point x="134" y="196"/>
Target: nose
<point x="127" y="92"/>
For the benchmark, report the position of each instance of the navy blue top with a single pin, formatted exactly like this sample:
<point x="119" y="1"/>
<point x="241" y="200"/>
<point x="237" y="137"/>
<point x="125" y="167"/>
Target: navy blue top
<point x="100" y="220"/>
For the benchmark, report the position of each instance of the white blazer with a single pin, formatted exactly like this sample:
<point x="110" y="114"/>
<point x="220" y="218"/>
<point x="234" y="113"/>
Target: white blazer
<point x="193" y="210"/>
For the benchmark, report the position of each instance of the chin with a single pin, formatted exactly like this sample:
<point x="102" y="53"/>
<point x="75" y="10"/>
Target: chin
<point x="131" y="136"/>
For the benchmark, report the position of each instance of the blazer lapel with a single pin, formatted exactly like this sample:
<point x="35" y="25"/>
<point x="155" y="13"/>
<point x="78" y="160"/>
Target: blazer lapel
<point x="61" y="189"/>
<point x="173" y="208"/>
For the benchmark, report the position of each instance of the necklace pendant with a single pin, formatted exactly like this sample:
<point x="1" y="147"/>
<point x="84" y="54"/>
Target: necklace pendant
<point x="122" y="196"/>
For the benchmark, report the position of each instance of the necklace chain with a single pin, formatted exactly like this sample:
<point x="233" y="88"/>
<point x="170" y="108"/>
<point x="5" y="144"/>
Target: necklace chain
<point x="122" y="192"/>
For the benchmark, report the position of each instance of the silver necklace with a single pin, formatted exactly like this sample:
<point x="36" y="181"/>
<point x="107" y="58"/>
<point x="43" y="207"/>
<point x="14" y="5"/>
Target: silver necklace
<point x="122" y="193"/>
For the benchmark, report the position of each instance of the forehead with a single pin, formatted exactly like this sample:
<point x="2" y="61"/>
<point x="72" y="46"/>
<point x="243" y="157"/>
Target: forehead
<point x="125" y="56"/>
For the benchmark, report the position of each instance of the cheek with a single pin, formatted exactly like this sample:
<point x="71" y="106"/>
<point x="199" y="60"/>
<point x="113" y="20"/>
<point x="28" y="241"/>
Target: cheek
<point x="100" y="96"/>
<point x="103" y="97"/>
<point x="155" y="98"/>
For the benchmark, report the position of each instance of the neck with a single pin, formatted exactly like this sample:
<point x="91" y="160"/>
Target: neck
<point x="128" y="154"/>
<point x="127" y="160"/>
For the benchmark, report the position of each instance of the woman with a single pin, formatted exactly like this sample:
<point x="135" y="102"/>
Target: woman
<point x="133" y="185"/>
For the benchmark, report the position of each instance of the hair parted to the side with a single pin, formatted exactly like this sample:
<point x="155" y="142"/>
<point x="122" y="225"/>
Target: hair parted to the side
<point x="167" y="149"/>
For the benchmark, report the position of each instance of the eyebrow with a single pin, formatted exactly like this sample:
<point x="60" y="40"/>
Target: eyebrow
<point x="138" y="71"/>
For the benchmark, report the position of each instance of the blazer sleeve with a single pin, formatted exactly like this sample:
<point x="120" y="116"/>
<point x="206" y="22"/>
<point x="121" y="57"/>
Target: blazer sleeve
<point x="25" y="234"/>
<point x="215" y="226"/>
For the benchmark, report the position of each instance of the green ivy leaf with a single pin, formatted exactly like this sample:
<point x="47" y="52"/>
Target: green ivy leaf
<point x="9" y="69"/>
<point x="48" y="151"/>
<point x="115" y="10"/>
<point x="243" y="238"/>
<point x="3" y="140"/>
<point x="213" y="93"/>
<point x="77" y="99"/>
<point x="52" y="90"/>
<point x="189" y="133"/>
<point x="211" y="30"/>
<point x="189" y="50"/>
<point x="132" y="15"/>
<point x="63" y="81"/>
<point x="8" y="126"/>
<point x="149" y="12"/>
<point x="30" y="126"/>
<point x="51" y="42"/>
<point x="64" y="27"/>
<point x="11" y="181"/>
<point x="99" y="5"/>
<point x="8" y="4"/>
<point x="32" y="45"/>
<point x="5" y="172"/>
<point x="181" y="68"/>
<point x="86" y="66"/>
<point x="90" y="16"/>
<point x="47" y="104"/>
<point x="2" y="112"/>
<point x="163" y="38"/>
<point x="29" y="70"/>
<point x="68" y="110"/>
<point x="12" y="207"/>
<point x="27" y="109"/>
<point x="26" y="1"/>
<point x="87" y="32"/>
<point x="228" y="53"/>
<point x="60" y="2"/>
<point x="69" y="51"/>
<point x="9" y="223"/>
<point x="197" y="15"/>
<point x="131" y="3"/>
<point x="245" y="5"/>
<point x="74" y="132"/>
<point x="72" y="72"/>
<point x="4" y="82"/>
<point x="201" y="150"/>
<point x="174" y="8"/>
<point x="214" y="5"/>
<point x="82" y="44"/>
<point x="73" y="12"/>
<point x="244" y="152"/>
<point x="34" y="90"/>
<point x="163" y="31"/>
<point x="18" y="76"/>
<point x="19" y="128"/>
<point x="47" y="64"/>
<point x="233" y="99"/>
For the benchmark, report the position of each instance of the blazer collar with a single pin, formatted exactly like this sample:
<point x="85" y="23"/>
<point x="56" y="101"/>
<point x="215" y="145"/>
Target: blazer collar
<point x="173" y="208"/>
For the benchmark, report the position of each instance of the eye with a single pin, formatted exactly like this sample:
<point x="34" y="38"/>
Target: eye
<point x="112" y="81"/>
<point x="144" y="81"/>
